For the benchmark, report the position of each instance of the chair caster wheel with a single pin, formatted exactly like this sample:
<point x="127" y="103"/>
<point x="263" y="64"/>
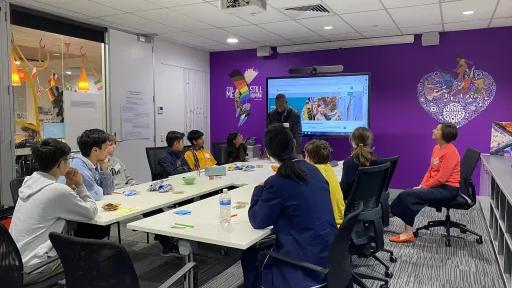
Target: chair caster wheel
<point x="415" y="233"/>
<point x="384" y="286"/>
<point x="392" y="259"/>
<point x="224" y="252"/>
<point x="388" y="274"/>
<point x="479" y="240"/>
<point x="448" y="243"/>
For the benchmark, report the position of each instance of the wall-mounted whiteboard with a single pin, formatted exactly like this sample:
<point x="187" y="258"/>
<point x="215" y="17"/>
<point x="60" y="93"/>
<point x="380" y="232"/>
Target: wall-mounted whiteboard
<point x="82" y="111"/>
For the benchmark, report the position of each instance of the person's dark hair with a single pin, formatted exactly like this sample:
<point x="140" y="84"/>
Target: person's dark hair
<point x="280" y="145"/>
<point x="193" y="135"/>
<point x="231" y="139"/>
<point x="318" y="151"/>
<point x="449" y="132"/>
<point x="280" y="96"/>
<point x="49" y="152"/>
<point x="362" y="138"/>
<point x="173" y="137"/>
<point x="92" y="138"/>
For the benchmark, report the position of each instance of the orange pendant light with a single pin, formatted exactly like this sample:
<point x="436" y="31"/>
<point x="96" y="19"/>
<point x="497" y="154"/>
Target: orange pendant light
<point x="83" y="83"/>
<point x="15" y="77"/>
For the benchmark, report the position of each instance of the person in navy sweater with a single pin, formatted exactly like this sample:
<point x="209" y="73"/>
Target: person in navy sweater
<point x="296" y="202"/>
<point x="172" y="162"/>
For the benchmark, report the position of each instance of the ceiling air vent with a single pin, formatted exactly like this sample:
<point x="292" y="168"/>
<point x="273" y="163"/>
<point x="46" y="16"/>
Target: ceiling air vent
<point x="307" y="11"/>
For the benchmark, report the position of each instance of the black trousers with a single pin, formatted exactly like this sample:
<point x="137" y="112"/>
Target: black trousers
<point x="91" y="231"/>
<point x="409" y="203"/>
<point x="164" y="240"/>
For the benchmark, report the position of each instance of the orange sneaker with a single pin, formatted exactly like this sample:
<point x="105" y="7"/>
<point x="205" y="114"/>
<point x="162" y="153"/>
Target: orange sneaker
<point x="400" y="239"/>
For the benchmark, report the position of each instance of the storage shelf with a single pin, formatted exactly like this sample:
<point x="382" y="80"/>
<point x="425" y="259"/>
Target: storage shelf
<point x="508" y="237"/>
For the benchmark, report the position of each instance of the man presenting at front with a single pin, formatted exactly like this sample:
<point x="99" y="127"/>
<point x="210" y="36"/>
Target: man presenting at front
<point x="289" y="118"/>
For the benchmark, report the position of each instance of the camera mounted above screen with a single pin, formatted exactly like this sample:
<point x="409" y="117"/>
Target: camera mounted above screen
<point x="316" y="70"/>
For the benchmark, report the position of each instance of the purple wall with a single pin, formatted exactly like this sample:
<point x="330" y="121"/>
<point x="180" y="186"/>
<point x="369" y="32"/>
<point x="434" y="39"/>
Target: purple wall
<point x="400" y="124"/>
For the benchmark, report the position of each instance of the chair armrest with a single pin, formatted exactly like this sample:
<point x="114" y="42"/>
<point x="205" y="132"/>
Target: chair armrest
<point x="267" y="241"/>
<point x="185" y="269"/>
<point x="301" y="264"/>
<point x="39" y="265"/>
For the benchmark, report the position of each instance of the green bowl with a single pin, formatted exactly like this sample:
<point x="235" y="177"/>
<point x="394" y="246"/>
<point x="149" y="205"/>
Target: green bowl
<point x="189" y="180"/>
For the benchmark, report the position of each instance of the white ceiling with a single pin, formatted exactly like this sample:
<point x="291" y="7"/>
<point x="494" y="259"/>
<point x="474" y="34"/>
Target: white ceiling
<point x="201" y="24"/>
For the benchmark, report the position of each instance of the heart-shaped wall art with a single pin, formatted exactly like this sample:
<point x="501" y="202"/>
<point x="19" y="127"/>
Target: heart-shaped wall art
<point x="456" y="98"/>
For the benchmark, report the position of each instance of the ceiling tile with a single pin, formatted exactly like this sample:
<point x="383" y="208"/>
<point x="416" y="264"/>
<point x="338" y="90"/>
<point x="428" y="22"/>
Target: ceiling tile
<point x="468" y="25"/>
<point x="406" y="3"/>
<point x="269" y="16"/>
<point x="209" y="14"/>
<point x="276" y="42"/>
<point x="501" y="22"/>
<point x="169" y="3"/>
<point x="417" y="15"/>
<point x="167" y="17"/>
<point x="452" y="11"/>
<point x="288" y="29"/>
<point x="253" y="32"/>
<point x="129" y="5"/>
<point x="51" y="9"/>
<point x="504" y="9"/>
<point x="422" y="29"/>
<point x="317" y="24"/>
<point x="370" y="21"/>
<point x="382" y="33"/>
<point x="218" y="35"/>
<point x="101" y="21"/>
<point x="187" y="37"/>
<point x="352" y="6"/>
<point x="294" y="3"/>
<point x="346" y="36"/>
<point x="134" y="21"/>
<point x="89" y="8"/>
<point x="310" y="39"/>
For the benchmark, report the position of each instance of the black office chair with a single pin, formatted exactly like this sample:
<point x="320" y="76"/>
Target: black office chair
<point x="219" y="153"/>
<point x="15" y="186"/>
<point x="339" y="271"/>
<point x="464" y="201"/>
<point x="11" y="265"/>
<point x="368" y="234"/>
<point x="96" y="263"/>
<point x="153" y="154"/>
<point x="384" y="200"/>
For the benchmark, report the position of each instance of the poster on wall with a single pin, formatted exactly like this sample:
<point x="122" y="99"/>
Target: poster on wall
<point x="242" y="92"/>
<point x="456" y="95"/>
<point x="135" y="117"/>
<point x="82" y="111"/>
<point x="501" y="138"/>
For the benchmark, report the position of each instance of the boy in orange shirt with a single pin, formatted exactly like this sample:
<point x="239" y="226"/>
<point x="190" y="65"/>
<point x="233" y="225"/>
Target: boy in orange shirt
<point x="199" y="157"/>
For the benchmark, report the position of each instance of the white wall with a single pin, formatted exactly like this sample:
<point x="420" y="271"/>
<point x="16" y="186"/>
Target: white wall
<point x="182" y="88"/>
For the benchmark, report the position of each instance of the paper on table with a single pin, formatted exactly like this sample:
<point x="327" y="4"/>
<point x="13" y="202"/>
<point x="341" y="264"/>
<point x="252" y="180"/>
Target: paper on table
<point x="125" y="210"/>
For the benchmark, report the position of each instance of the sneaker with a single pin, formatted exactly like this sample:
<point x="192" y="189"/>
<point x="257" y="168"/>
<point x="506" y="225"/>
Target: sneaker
<point x="170" y="249"/>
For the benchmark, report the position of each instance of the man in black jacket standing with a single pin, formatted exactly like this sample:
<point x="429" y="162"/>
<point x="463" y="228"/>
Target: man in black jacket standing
<point x="289" y="118"/>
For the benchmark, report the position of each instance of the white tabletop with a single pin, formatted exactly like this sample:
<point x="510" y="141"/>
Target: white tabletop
<point x="205" y="219"/>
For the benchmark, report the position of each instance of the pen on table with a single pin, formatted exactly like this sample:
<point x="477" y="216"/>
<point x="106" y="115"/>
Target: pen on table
<point x="184" y="225"/>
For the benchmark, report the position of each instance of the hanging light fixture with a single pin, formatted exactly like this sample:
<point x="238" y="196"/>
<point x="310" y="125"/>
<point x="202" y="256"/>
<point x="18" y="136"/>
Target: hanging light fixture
<point x="83" y="83"/>
<point x="15" y="77"/>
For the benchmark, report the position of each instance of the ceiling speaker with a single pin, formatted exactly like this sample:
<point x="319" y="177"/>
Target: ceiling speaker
<point x="430" y="39"/>
<point x="264" y="51"/>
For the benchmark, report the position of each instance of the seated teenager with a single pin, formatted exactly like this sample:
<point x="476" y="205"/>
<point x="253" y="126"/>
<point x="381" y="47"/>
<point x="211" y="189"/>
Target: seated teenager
<point x="172" y="162"/>
<point x="117" y="168"/>
<point x="44" y="205"/>
<point x="362" y="156"/>
<point x="236" y="150"/>
<point x="440" y="184"/>
<point x="92" y="163"/>
<point x="318" y="153"/>
<point x="297" y="203"/>
<point x="199" y="157"/>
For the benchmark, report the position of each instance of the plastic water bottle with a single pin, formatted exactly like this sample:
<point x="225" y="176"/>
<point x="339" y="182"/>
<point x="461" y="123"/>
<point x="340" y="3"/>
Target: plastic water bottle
<point x="225" y="207"/>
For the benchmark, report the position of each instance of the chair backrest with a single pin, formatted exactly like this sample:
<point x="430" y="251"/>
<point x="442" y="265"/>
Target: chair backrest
<point x="94" y="263"/>
<point x="219" y="152"/>
<point x="366" y="194"/>
<point x="11" y="265"/>
<point x="339" y="259"/>
<point x="15" y="186"/>
<point x="391" y="160"/>
<point x="153" y="154"/>
<point x="467" y="167"/>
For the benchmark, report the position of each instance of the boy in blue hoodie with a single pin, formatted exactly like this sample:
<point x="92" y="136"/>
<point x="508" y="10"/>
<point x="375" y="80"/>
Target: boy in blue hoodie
<point x="92" y="163"/>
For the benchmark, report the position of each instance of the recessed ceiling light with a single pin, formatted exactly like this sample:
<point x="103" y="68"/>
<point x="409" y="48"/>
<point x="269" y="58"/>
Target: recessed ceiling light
<point x="56" y="54"/>
<point x="468" y="12"/>
<point x="327" y="27"/>
<point x="232" y="40"/>
<point x="68" y="72"/>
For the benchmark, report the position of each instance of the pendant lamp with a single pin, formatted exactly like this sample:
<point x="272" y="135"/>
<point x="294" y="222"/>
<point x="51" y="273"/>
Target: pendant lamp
<point x="15" y="77"/>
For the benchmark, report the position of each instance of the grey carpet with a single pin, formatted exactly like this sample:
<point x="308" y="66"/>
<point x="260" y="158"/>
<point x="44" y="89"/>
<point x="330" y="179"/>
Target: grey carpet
<point x="426" y="263"/>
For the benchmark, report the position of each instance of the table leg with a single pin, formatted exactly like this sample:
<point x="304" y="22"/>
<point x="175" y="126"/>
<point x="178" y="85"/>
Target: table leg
<point x="186" y="250"/>
<point x="119" y="232"/>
